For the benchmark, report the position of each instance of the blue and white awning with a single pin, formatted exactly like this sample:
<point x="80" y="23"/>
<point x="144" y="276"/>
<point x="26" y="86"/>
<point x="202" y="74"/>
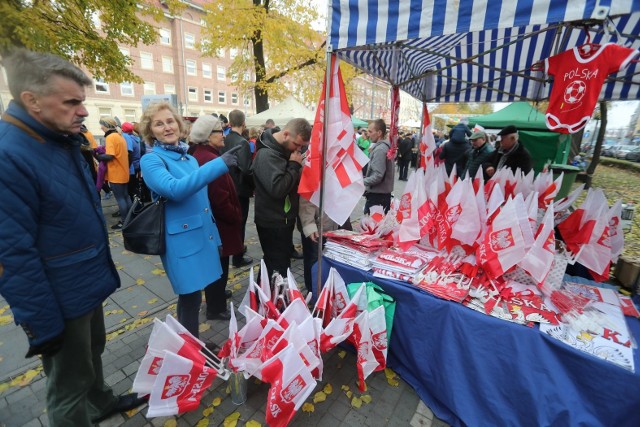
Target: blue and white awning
<point x="482" y="50"/>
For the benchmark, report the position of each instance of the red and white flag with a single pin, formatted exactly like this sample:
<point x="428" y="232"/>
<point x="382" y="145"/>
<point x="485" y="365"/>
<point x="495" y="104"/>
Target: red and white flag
<point x="616" y="234"/>
<point x="539" y="259"/>
<point x="341" y="327"/>
<point x="292" y="288"/>
<point x="147" y="371"/>
<point x="361" y="339"/>
<point x="167" y="339"/>
<point x="393" y="126"/>
<point x="261" y="349"/>
<point x="179" y="386"/>
<point x="310" y="331"/>
<point x="344" y="183"/>
<point x="297" y="312"/>
<point x="250" y="301"/>
<point x="379" y="337"/>
<point x="291" y="384"/>
<point x="294" y="337"/>
<point x="503" y="245"/>
<point x="413" y="198"/>
<point x="427" y="142"/>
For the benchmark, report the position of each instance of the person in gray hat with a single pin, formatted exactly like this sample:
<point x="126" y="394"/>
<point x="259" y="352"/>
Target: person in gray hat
<point x="511" y="153"/>
<point x="478" y="156"/>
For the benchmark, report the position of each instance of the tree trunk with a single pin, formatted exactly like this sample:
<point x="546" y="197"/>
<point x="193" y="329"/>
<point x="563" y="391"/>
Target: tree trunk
<point x="261" y="96"/>
<point x="600" y="138"/>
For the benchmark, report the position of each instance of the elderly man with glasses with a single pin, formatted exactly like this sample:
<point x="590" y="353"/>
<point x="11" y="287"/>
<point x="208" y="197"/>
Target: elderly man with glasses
<point x="511" y="153"/>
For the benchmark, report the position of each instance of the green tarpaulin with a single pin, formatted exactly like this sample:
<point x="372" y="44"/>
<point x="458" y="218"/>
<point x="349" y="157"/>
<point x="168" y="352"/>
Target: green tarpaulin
<point x="358" y="123"/>
<point x="545" y="146"/>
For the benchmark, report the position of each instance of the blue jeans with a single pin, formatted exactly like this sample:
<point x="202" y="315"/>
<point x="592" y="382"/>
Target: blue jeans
<point x="121" y="191"/>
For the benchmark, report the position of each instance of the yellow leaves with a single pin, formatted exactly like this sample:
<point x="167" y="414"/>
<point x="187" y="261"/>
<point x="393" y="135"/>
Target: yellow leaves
<point x="125" y="252"/>
<point x="110" y="312"/>
<point x="25" y="379"/>
<point x="231" y="420"/>
<point x="319" y="397"/>
<point x="204" y="422"/>
<point x="308" y="407"/>
<point x="237" y="287"/>
<point x="252" y="423"/>
<point x="133" y="411"/>
<point x="152" y="301"/>
<point x="342" y="354"/>
<point x="366" y="398"/>
<point x="4" y="387"/>
<point x="208" y="411"/>
<point x="216" y="402"/>
<point x="328" y="389"/>
<point x="140" y="281"/>
<point x="158" y="272"/>
<point x="120" y="267"/>
<point x="3" y="309"/>
<point x="204" y="327"/>
<point x="131" y="326"/>
<point x="170" y="423"/>
<point x="391" y="377"/>
<point x="6" y="320"/>
<point x="143" y="313"/>
<point x="356" y="402"/>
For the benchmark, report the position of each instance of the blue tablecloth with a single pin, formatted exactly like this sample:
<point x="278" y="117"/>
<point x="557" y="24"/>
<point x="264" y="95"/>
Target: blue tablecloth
<point x="476" y="370"/>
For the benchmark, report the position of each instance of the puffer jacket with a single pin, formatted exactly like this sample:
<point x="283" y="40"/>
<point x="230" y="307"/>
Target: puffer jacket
<point x="381" y="170"/>
<point x="55" y="262"/>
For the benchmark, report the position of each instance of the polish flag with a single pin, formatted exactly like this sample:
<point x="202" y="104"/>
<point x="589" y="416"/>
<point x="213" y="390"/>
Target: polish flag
<point x="503" y="244"/>
<point x="539" y="259"/>
<point x="341" y="327"/>
<point x="261" y="349"/>
<point x="427" y="142"/>
<point x="292" y="288"/>
<point x="361" y="339"/>
<point x="297" y="312"/>
<point x="291" y="384"/>
<point x="167" y="339"/>
<point x="393" y="126"/>
<point x="147" y="371"/>
<point x="344" y="183"/>
<point x="379" y="337"/>
<point x="413" y="198"/>
<point x="179" y="386"/>
<point x="292" y="335"/>
<point x="616" y="235"/>
<point x="231" y="346"/>
<point x="250" y="300"/>
<point x="310" y="330"/>
<point x="550" y="192"/>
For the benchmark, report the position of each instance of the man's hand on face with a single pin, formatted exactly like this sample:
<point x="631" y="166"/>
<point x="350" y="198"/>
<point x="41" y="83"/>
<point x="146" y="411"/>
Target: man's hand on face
<point x="296" y="156"/>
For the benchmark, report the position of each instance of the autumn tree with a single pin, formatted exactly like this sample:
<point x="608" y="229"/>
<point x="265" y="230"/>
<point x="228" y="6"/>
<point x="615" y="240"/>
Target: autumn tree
<point x="274" y="40"/>
<point x="86" y="32"/>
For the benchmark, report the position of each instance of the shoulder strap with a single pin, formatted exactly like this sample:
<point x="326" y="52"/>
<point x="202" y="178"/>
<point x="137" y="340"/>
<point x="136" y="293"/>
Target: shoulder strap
<point x="21" y="125"/>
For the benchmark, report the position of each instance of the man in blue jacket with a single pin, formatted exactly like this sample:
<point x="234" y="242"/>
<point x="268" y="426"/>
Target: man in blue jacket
<point x="55" y="266"/>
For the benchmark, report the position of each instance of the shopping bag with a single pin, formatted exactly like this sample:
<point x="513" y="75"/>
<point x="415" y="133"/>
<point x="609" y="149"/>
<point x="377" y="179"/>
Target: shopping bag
<point x="376" y="297"/>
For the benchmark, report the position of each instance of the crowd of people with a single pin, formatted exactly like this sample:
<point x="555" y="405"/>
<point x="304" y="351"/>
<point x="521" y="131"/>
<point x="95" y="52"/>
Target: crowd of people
<point x="56" y="268"/>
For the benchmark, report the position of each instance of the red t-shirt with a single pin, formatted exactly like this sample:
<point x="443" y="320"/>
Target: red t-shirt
<point x="579" y="77"/>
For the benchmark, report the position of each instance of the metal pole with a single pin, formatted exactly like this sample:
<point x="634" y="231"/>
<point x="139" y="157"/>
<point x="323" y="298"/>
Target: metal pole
<point x="373" y="95"/>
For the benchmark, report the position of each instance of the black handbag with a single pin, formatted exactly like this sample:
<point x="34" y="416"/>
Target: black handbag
<point x="143" y="228"/>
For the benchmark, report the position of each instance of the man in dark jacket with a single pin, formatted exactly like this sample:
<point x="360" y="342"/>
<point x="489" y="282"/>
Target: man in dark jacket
<point x="55" y="266"/>
<point x="454" y="152"/>
<point x="241" y="174"/>
<point x="404" y="156"/>
<point x="478" y="156"/>
<point x="378" y="181"/>
<point x="511" y="153"/>
<point x="276" y="170"/>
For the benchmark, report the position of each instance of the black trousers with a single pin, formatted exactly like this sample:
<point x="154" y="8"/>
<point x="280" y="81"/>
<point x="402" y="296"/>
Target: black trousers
<point x="244" y="207"/>
<point x="403" y="163"/>
<point x="214" y="293"/>
<point x="374" y="199"/>
<point x="276" y="248"/>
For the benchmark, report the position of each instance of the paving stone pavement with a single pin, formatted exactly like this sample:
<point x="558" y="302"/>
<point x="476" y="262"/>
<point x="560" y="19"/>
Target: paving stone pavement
<point x="145" y="293"/>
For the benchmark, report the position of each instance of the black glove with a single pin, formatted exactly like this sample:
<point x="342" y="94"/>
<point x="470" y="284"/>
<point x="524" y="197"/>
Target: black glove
<point x="229" y="158"/>
<point x="46" y="349"/>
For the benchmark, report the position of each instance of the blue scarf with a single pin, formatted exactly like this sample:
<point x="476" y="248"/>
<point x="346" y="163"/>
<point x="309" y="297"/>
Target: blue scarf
<point x="181" y="148"/>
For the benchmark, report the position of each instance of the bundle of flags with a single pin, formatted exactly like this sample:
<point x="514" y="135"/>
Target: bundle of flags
<point x="282" y="340"/>
<point x="402" y="265"/>
<point x="353" y="248"/>
<point x="176" y="370"/>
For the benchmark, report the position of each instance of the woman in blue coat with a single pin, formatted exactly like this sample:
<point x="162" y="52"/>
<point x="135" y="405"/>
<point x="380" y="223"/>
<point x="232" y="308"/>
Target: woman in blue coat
<point x="191" y="260"/>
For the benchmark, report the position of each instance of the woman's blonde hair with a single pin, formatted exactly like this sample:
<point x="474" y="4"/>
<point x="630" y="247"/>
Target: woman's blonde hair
<point x="254" y="133"/>
<point x="147" y="116"/>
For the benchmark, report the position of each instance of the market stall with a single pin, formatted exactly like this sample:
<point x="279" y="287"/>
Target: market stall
<point x="472" y="369"/>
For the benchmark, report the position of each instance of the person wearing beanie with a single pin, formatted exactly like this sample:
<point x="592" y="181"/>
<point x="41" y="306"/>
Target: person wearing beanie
<point x="117" y="158"/>
<point x="207" y="140"/>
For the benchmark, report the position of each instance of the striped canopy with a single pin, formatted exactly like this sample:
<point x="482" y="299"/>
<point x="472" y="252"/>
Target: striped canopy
<point x="479" y="50"/>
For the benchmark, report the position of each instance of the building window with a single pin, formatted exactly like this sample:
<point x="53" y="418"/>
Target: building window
<point x="101" y="86"/>
<point x="170" y="89"/>
<point x="222" y="97"/>
<point x="208" y="95"/>
<point x="234" y="98"/>
<point x="193" y="93"/>
<point x="220" y="53"/>
<point x="189" y="41"/>
<point x="130" y="115"/>
<point x="191" y="67"/>
<point x="146" y="61"/>
<point x="104" y="112"/>
<point x="167" y="64"/>
<point x="246" y="76"/>
<point x="126" y="89"/>
<point x="222" y="73"/>
<point x="165" y="36"/>
<point x="206" y="71"/>
<point x="233" y="52"/>
<point x="149" y="88"/>
<point x="247" y="100"/>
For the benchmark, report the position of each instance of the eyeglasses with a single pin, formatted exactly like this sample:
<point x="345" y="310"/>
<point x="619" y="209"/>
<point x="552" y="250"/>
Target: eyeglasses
<point x="217" y="131"/>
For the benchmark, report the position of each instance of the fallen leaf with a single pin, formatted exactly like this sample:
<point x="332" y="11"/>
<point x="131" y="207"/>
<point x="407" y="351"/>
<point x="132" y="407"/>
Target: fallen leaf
<point x="252" y="423"/>
<point x="152" y="301"/>
<point x="118" y="311"/>
<point x="216" y="402"/>
<point x="356" y="402"/>
<point x="146" y="257"/>
<point x="126" y="253"/>
<point x="204" y="422"/>
<point x="308" y="407"/>
<point x="140" y="282"/>
<point x="342" y="354"/>
<point x="6" y="320"/>
<point x="349" y="394"/>
<point x="143" y="313"/>
<point x="328" y="389"/>
<point x="134" y="306"/>
<point x="132" y="412"/>
<point x="237" y="287"/>
<point x="124" y="319"/>
<point x="231" y="420"/>
<point x="208" y="411"/>
<point x="319" y="397"/>
<point x="3" y="309"/>
<point x="366" y="398"/>
<point x="344" y="387"/>
<point x="120" y="267"/>
<point x="3" y="387"/>
<point x="204" y="327"/>
<point x="158" y="272"/>
<point x="25" y="379"/>
<point x="171" y="423"/>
